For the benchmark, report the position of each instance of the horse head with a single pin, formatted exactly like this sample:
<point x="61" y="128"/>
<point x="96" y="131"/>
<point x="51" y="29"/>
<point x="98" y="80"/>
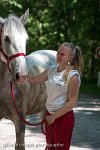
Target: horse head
<point x="13" y="44"/>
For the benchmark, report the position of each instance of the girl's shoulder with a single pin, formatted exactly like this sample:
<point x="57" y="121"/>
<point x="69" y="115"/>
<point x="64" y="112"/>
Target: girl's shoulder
<point x="71" y="74"/>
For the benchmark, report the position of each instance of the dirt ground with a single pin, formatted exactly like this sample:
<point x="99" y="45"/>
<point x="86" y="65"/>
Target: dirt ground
<point x="86" y="134"/>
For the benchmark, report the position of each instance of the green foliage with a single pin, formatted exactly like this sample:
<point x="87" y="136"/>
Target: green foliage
<point x="52" y="22"/>
<point x="90" y="87"/>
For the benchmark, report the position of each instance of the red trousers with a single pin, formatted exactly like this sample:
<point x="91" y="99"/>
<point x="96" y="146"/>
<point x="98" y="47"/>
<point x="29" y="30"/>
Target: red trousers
<point x="59" y="133"/>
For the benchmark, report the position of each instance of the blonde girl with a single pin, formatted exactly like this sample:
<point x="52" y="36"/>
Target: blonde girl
<point x="62" y="85"/>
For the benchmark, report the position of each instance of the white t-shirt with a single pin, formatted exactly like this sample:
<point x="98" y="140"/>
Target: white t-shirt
<point x="57" y="90"/>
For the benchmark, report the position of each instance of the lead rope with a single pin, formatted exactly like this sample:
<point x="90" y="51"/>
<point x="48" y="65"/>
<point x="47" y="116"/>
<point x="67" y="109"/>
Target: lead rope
<point x="20" y="115"/>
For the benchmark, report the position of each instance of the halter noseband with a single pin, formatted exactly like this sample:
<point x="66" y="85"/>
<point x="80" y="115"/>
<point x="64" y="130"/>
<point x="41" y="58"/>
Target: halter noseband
<point x="9" y="58"/>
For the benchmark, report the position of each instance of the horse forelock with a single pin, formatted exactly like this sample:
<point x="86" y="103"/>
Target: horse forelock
<point x="13" y="27"/>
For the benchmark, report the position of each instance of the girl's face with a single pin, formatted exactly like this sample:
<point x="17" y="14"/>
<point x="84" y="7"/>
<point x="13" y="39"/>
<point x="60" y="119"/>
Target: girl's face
<point x="63" y="55"/>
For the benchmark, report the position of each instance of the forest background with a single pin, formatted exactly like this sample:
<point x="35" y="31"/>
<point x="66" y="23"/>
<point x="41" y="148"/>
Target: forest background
<point x="52" y="22"/>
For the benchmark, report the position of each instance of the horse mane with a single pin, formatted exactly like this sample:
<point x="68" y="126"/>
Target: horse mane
<point x="14" y="26"/>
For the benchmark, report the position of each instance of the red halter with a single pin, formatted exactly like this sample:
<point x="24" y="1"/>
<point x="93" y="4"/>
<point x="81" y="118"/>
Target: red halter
<point x="9" y="58"/>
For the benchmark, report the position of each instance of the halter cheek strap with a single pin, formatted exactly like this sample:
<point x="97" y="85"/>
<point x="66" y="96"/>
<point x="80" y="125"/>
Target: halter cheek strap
<point x="5" y="56"/>
<point x="8" y="59"/>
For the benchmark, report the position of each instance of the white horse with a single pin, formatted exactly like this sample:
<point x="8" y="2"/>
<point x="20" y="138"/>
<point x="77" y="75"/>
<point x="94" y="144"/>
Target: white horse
<point x="30" y="98"/>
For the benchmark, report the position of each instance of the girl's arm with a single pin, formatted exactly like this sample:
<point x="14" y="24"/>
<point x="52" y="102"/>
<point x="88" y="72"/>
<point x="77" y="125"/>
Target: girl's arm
<point x="73" y="95"/>
<point x="42" y="77"/>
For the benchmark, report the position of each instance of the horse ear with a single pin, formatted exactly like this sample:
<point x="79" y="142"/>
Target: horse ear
<point x="24" y="17"/>
<point x="2" y="22"/>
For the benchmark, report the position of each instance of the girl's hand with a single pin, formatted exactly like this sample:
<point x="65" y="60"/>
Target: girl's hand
<point x="50" y="119"/>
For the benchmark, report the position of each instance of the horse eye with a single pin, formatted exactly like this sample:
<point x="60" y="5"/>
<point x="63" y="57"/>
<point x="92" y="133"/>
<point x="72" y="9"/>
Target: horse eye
<point x="7" y="39"/>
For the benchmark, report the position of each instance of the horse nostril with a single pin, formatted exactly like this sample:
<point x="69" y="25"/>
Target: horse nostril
<point x="17" y="76"/>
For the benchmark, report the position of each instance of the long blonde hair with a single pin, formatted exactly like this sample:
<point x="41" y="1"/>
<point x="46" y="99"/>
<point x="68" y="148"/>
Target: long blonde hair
<point x="77" y="61"/>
